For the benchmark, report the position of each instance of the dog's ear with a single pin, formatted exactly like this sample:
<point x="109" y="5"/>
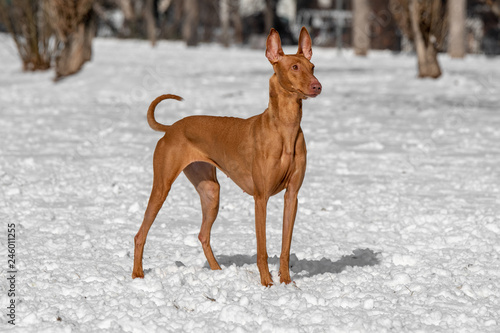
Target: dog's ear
<point x="274" y="52"/>
<point x="305" y="44"/>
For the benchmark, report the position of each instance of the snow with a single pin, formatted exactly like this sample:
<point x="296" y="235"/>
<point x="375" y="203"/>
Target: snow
<point x="398" y="222"/>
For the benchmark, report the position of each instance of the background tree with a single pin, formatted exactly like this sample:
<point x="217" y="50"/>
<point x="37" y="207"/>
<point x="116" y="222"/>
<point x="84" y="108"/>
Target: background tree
<point x="129" y="16"/>
<point x="383" y="28"/>
<point x="424" y="23"/>
<point x="456" y="18"/>
<point x="48" y="32"/>
<point x="229" y="16"/>
<point x="34" y="38"/>
<point x="74" y="24"/>
<point x="224" y="20"/>
<point x="361" y="27"/>
<point x="150" y="20"/>
<point x="495" y="6"/>
<point x="191" y="22"/>
<point x="269" y="14"/>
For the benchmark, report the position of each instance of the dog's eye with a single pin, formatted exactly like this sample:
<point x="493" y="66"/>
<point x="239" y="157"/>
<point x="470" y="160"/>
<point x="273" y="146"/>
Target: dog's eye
<point x="312" y="69"/>
<point x="295" y="67"/>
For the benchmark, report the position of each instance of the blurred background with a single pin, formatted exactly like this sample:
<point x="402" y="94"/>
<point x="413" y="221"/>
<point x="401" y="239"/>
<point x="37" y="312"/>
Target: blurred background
<point x="59" y="33"/>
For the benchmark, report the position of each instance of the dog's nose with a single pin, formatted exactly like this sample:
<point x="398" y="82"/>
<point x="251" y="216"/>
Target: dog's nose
<point x="316" y="87"/>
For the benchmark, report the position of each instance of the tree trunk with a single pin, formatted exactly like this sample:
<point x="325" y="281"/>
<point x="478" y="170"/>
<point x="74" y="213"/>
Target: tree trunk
<point x="174" y="22"/>
<point x="495" y="6"/>
<point x="237" y="22"/>
<point x="127" y="9"/>
<point x="129" y="25"/>
<point x="269" y="14"/>
<point x="456" y="17"/>
<point x="77" y="49"/>
<point x="224" y="20"/>
<point x="27" y="23"/>
<point x="191" y="21"/>
<point x="361" y="27"/>
<point x="428" y="65"/>
<point x="149" y="17"/>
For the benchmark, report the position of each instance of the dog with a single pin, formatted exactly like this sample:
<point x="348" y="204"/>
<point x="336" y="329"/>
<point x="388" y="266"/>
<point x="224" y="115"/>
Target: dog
<point x="263" y="155"/>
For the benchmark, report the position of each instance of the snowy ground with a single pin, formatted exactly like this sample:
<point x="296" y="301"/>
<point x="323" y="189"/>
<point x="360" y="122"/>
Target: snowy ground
<point x="398" y="227"/>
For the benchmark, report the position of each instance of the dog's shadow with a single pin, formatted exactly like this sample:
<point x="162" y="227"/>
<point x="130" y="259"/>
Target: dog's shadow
<point x="308" y="268"/>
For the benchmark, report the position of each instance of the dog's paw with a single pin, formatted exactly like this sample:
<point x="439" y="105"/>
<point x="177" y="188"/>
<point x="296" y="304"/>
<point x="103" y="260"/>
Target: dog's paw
<point x="139" y="275"/>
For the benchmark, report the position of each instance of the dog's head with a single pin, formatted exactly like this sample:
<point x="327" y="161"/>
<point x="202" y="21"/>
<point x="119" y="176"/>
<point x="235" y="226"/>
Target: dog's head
<point x="295" y="72"/>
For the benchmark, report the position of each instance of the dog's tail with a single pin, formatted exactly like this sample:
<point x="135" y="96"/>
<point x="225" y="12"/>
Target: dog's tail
<point x="151" y="112"/>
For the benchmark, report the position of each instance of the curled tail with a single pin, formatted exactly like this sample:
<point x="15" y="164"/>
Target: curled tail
<point x="151" y="112"/>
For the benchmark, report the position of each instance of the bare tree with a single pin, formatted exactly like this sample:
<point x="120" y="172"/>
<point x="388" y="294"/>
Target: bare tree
<point x="34" y="38"/>
<point x="171" y="27"/>
<point x="237" y="22"/>
<point x="209" y="20"/>
<point x="361" y="27"/>
<point x="75" y="28"/>
<point x="191" y="21"/>
<point x="495" y="6"/>
<point x="456" y="18"/>
<point x="224" y="20"/>
<point x="48" y="31"/>
<point x="424" y="23"/>
<point x="269" y="14"/>
<point x="129" y="25"/>
<point x="149" y="17"/>
<point x="229" y="15"/>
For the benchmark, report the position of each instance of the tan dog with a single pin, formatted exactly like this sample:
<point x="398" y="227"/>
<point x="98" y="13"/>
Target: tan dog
<point x="263" y="155"/>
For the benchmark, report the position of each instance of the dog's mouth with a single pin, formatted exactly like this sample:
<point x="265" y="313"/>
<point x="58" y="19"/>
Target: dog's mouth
<point x="313" y="94"/>
<point x="309" y="94"/>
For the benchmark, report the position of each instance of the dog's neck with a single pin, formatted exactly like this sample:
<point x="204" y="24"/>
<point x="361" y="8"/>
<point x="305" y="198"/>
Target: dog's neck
<point x="284" y="114"/>
<point x="284" y="107"/>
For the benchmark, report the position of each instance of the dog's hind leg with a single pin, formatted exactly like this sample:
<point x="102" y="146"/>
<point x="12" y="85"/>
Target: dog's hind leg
<point x="166" y="169"/>
<point x="204" y="178"/>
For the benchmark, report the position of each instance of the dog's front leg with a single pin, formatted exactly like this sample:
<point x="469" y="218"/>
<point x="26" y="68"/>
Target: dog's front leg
<point x="260" y="230"/>
<point x="289" y="213"/>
